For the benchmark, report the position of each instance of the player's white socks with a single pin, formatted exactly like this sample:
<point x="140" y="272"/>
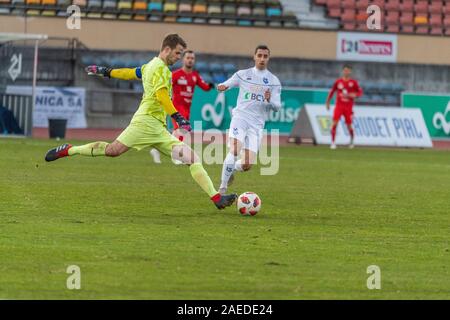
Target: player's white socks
<point x="155" y="155"/>
<point x="228" y="169"/>
<point x="238" y="165"/>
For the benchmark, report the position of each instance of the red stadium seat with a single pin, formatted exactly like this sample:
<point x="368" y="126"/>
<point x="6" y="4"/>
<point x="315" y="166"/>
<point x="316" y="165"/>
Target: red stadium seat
<point x="436" y="20"/>
<point x="435" y="7"/>
<point x="421" y="6"/>
<point x="392" y="5"/>
<point x="407" y="5"/>
<point x="349" y="26"/>
<point x="407" y="29"/>
<point x="379" y="3"/>
<point x="349" y="15"/>
<point x="349" y="4"/>
<point x="395" y="28"/>
<point x="362" y="4"/>
<point x="334" y="12"/>
<point x="333" y="4"/>
<point x="392" y="18"/>
<point x="406" y="18"/>
<point x="447" y="21"/>
<point x="446" y="9"/>
<point x="437" y="31"/>
<point x="422" y="29"/>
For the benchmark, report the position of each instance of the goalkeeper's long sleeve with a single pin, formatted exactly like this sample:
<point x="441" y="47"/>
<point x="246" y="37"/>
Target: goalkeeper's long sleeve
<point x="126" y="73"/>
<point x="163" y="96"/>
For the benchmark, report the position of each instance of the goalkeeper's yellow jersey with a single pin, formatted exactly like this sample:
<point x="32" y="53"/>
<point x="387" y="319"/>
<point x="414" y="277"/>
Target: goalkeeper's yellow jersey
<point x="155" y="75"/>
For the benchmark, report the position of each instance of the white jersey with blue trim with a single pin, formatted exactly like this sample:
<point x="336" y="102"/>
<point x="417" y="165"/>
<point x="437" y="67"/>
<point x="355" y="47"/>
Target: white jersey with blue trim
<point x="251" y="104"/>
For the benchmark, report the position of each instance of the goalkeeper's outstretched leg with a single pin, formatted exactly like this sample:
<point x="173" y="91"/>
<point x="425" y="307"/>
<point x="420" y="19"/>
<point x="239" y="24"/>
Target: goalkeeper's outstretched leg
<point x="94" y="149"/>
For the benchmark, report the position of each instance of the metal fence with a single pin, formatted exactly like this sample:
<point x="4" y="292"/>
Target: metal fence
<point x="22" y="108"/>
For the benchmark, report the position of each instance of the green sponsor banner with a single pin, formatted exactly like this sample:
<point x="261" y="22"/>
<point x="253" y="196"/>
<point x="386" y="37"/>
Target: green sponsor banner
<point x="213" y="109"/>
<point x="435" y="109"/>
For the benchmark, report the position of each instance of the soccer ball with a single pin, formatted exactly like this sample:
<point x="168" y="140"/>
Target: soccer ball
<point x="248" y="204"/>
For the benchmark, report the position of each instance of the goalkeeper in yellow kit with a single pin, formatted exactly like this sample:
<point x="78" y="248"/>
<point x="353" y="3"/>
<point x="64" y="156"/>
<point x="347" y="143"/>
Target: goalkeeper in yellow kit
<point x="148" y="126"/>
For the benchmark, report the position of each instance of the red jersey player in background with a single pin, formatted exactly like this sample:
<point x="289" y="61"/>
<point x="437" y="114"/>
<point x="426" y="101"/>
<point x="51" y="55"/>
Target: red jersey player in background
<point x="184" y="81"/>
<point x="347" y="90"/>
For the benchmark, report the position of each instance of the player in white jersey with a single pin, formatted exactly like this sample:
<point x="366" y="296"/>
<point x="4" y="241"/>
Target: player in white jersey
<point x="259" y="92"/>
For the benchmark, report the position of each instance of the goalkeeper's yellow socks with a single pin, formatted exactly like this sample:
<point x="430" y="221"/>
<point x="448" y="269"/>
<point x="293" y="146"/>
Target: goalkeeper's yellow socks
<point x="93" y="149"/>
<point x="200" y="176"/>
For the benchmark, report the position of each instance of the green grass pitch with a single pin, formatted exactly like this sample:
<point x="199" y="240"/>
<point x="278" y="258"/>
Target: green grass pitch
<point x="142" y="231"/>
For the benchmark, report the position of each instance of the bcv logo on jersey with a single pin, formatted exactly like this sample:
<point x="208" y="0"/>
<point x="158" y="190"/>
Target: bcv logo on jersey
<point x="254" y="96"/>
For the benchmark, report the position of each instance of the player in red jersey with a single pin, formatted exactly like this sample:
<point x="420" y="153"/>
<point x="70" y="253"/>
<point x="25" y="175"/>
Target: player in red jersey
<point x="347" y="90"/>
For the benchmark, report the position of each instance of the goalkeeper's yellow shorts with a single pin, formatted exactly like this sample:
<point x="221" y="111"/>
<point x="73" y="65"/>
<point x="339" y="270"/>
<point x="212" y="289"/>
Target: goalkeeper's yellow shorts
<point x="146" y="131"/>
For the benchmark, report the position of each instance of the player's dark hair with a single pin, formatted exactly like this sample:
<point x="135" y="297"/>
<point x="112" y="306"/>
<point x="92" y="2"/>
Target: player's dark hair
<point x="348" y="66"/>
<point x="187" y="51"/>
<point x="262" y="47"/>
<point x="172" y="40"/>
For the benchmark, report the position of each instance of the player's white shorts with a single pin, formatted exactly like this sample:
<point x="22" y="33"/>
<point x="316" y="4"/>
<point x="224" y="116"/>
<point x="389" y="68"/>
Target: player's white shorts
<point x="249" y="136"/>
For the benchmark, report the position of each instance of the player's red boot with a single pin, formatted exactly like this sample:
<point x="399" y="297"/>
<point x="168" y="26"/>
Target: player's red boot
<point x="58" y="152"/>
<point x="223" y="200"/>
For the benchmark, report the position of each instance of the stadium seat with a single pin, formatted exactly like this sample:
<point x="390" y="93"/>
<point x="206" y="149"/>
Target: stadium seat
<point x="214" y="9"/>
<point x="348" y="4"/>
<point x="96" y="15"/>
<point x="273" y="12"/>
<point x="63" y="3"/>
<point x="421" y="6"/>
<point x="219" y="77"/>
<point x="362" y="4"/>
<point x="229" y="9"/>
<point x="259" y="11"/>
<point x="215" y="67"/>
<point x="92" y="4"/>
<point x="48" y="13"/>
<point x="215" y="21"/>
<point x="406" y="19"/>
<point x="140" y="17"/>
<point x="170" y="7"/>
<point x="407" y="5"/>
<point x="80" y="3"/>
<point x="170" y="19"/>
<point x="140" y="6"/>
<point x="199" y="8"/>
<point x="184" y="20"/>
<point x="124" y="5"/>
<point x="155" y="17"/>
<point x="199" y="20"/>
<point x="392" y="5"/>
<point x="244" y="23"/>
<point x="33" y="12"/>
<point x="155" y="6"/>
<point x="437" y="31"/>
<point x="185" y="7"/>
<point x="244" y="11"/>
<point x="48" y="3"/>
<point x="109" y="4"/>
<point x="201" y="67"/>
<point x="435" y="7"/>
<point x="349" y="15"/>
<point x="109" y="16"/>
<point x="230" y="22"/>
<point x="33" y="2"/>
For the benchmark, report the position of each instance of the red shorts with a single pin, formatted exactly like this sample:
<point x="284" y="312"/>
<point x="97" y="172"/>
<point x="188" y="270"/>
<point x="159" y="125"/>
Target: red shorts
<point x="345" y="111"/>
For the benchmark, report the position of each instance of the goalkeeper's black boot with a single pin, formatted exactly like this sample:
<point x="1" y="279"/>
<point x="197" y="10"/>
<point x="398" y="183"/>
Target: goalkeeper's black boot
<point x="224" y="200"/>
<point x="58" y="152"/>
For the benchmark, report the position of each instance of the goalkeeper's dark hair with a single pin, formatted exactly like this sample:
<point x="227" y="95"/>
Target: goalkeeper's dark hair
<point x="348" y="66"/>
<point x="172" y="40"/>
<point x="262" y="47"/>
